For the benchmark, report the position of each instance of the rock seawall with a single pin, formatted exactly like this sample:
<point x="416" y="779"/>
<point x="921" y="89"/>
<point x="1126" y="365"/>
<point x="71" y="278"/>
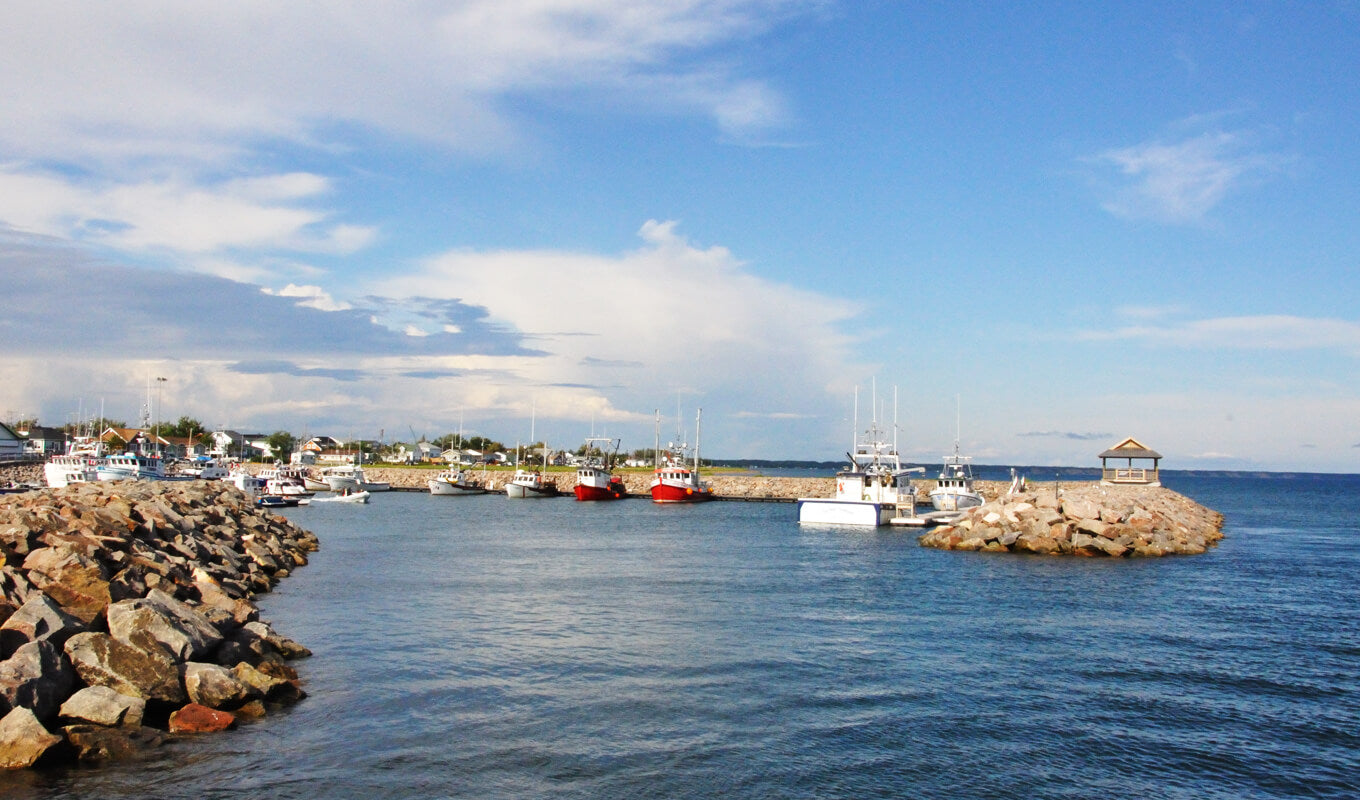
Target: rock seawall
<point x="1085" y="520"/>
<point x="126" y="615"/>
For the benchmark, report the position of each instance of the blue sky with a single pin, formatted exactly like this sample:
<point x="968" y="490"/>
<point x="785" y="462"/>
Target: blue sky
<point x="1078" y="223"/>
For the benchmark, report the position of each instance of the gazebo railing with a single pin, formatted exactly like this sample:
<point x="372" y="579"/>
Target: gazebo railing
<point x="1129" y="475"/>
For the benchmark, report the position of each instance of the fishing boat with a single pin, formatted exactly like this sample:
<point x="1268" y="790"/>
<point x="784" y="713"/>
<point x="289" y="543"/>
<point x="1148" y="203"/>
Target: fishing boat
<point x="285" y="481"/>
<point x="873" y="490"/>
<point x="593" y="478"/>
<point x="454" y="482"/>
<point x="351" y="476"/>
<point x="672" y="480"/>
<point x="528" y="482"/>
<point x="65" y="470"/>
<point x="954" y="490"/>
<point x="131" y="466"/>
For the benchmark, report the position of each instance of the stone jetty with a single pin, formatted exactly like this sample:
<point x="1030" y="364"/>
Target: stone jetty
<point x="1085" y="520"/>
<point x="126" y="616"/>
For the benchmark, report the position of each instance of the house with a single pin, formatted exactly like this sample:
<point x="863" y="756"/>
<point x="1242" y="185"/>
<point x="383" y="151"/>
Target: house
<point x="1130" y="450"/>
<point x="42" y="441"/>
<point x="11" y="443"/>
<point x="134" y="440"/>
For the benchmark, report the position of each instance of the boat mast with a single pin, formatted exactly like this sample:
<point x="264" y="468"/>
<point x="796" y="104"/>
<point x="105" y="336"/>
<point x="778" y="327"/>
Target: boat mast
<point x="697" y="415"/>
<point x="656" y="444"/>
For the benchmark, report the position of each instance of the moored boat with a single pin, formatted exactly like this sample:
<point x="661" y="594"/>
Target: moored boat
<point x="528" y="483"/>
<point x="954" y="490"/>
<point x="594" y="481"/>
<point x="873" y="490"/>
<point x="351" y="476"/>
<point x="131" y="466"/>
<point x="454" y="481"/>
<point x="673" y="481"/>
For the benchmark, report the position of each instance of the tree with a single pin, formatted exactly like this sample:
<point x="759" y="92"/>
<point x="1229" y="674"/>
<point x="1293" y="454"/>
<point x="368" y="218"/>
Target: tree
<point x="281" y="444"/>
<point x="183" y="429"/>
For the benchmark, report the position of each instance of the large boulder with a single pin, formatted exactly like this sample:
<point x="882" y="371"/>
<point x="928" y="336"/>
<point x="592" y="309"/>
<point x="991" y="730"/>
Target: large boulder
<point x="38" y="619"/>
<point x="101" y="660"/>
<point x="71" y="577"/>
<point x="36" y="677"/>
<point x="96" y="743"/>
<point x="24" y="740"/>
<point x="159" y="620"/>
<point x="195" y="718"/>
<point x="101" y="705"/>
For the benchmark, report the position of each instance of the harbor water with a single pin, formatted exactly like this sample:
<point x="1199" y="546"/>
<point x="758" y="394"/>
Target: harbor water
<point x="485" y="648"/>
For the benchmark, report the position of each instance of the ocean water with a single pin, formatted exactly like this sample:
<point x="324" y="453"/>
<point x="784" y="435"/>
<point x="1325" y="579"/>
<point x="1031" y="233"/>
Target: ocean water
<point x="486" y="648"/>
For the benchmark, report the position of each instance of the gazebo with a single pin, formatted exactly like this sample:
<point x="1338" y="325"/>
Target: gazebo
<point x="1129" y="450"/>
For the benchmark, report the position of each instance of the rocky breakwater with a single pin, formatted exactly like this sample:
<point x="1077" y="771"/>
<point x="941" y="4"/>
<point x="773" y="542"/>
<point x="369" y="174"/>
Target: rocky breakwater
<point x="1085" y="520"/>
<point x="126" y="616"/>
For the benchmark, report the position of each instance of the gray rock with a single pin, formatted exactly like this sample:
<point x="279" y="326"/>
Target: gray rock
<point x="101" y="705"/>
<point x="101" y="660"/>
<point x="161" y="620"/>
<point x="40" y="618"/>
<point x="36" y="677"/>
<point x="24" y="740"/>
<point x="217" y="687"/>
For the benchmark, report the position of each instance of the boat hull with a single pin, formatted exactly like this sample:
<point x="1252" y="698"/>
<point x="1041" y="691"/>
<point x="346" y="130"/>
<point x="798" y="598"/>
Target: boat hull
<point x="613" y="491"/>
<point x="520" y="491"/>
<point x="672" y="493"/>
<point x="944" y="500"/>
<point x="447" y="488"/>
<point x="860" y="513"/>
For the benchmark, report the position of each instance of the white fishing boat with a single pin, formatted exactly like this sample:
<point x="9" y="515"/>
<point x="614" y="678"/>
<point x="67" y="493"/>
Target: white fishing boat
<point x="873" y="490"/>
<point x="529" y="483"/>
<point x="65" y="470"/>
<point x="954" y="490"/>
<point x="351" y="476"/>
<point x="285" y="480"/>
<point x="454" y="481"/>
<point x="131" y="466"/>
<point x="207" y="469"/>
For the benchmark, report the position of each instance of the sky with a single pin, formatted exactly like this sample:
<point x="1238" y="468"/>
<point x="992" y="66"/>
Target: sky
<point x="1035" y="228"/>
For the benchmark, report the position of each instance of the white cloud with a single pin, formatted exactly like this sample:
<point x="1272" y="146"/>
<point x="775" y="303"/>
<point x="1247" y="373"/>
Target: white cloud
<point x="1265" y="332"/>
<point x="177" y="214"/>
<point x="1182" y="180"/>
<point x="646" y="324"/>
<point x="313" y="297"/>
<point x="159" y="80"/>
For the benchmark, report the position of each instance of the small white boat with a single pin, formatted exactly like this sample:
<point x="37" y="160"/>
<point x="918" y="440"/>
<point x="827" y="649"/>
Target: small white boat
<point x="347" y="496"/>
<point x="454" y="482"/>
<point x="873" y="490"/>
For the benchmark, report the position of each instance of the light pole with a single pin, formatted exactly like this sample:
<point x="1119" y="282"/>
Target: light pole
<point x="159" y="381"/>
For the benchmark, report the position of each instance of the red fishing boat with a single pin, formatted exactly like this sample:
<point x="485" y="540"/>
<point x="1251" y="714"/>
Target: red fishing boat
<point x="675" y="482"/>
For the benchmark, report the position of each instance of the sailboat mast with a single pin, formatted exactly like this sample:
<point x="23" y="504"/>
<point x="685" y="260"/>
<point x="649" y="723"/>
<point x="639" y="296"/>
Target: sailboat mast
<point x="656" y="445"/>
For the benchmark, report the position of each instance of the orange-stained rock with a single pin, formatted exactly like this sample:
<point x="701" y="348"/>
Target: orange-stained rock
<point x="195" y="718"/>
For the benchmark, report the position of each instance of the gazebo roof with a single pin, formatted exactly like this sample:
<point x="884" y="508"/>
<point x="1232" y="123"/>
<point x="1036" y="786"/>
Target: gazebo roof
<point x="1130" y="448"/>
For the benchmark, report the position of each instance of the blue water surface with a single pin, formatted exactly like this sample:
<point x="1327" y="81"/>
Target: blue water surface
<point x="487" y="648"/>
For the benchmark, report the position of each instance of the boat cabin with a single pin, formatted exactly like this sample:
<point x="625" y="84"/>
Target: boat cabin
<point x="1129" y="451"/>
